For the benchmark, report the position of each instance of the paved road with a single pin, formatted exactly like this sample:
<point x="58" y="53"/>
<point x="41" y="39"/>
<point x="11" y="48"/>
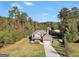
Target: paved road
<point x="49" y="50"/>
<point x="47" y="37"/>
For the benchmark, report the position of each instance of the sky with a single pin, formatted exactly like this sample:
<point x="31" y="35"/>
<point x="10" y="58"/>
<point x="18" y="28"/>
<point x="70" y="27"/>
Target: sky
<point x="41" y="11"/>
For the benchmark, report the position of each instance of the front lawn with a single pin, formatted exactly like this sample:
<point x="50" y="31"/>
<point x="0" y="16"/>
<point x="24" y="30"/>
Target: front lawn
<point x="24" y="49"/>
<point x="58" y="48"/>
<point x="73" y="50"/>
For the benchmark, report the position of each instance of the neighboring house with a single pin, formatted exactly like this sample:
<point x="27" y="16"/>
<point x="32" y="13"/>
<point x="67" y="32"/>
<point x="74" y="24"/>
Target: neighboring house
<point x="37" y="35"/>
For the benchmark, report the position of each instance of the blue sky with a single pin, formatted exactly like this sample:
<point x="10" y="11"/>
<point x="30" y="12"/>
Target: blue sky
<point x="41" y="11"/>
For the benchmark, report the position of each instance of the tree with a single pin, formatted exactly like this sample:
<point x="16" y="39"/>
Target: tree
<point x="69" y="30"/>
<point x="14" y="13"/>
<point x="23" y="19"/>
<point x="63" y="15"/>
<point x="73" y="27"/>
<point x="30" y="19"/>
<point x="19" y="18"/>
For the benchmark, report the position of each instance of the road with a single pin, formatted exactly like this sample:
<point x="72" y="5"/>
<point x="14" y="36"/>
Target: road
<point x="49" y="50"/>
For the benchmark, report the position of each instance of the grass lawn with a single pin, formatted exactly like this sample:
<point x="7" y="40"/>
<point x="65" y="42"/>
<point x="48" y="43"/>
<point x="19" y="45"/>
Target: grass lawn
<point x="24" y="49"/>
<point x="58" y="48"/>
<point x="73" y="50"/>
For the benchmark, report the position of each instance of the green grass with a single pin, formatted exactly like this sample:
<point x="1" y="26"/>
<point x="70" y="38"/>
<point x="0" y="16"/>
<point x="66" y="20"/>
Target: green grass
<point x="58" y="48"/>
<point x="73" y="50"/>
<point x="25" y="49"/>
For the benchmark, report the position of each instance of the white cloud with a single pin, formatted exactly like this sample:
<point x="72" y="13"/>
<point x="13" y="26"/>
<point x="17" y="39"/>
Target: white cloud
<point x="16" y="4"/>
<point x="28" y="3"/>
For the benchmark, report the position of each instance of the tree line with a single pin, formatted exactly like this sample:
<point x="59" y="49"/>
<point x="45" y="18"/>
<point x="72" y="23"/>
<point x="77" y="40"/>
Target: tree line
<point x="18" y="25"/>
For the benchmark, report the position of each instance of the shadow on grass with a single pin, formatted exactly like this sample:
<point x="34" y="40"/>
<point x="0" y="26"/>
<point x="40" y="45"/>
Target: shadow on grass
<point x="61" y="51"/>
<point x="4" y="55"/>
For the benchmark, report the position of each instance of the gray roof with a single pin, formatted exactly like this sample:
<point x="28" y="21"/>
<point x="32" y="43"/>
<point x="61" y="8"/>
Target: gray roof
<point x="39" y="31"/>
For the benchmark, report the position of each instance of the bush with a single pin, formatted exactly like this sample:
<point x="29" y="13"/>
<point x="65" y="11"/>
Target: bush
<point x="7" y="37"/>
<point x="1" y="38"/>
<point x="72" y="37"/>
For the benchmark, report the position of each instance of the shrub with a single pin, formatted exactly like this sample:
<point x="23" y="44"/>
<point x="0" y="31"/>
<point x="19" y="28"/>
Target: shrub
<point x="1" y="38"/>
<point x="7" y="37"/>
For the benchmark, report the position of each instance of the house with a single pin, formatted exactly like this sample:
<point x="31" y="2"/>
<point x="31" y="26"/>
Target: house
<point x="37" y="35"/>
